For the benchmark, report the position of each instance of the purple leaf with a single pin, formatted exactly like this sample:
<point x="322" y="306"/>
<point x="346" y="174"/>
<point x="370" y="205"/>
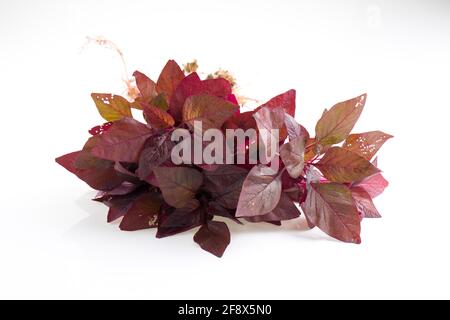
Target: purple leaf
<point x="330" y="207"/>
<point x="364" y="203"/>
<point x="260" y="193"/>
<point x="294" y="129"/>
<point x="213" y="237"/>
<point x="172" y="221"/>
<point x="225" y="184"/>
<point x="285" y="210"/>
<point x="143" y="212"/>
<point x="119" y="200"/>
<point x="125" y="188"/>
<point x="123" y="142"/>
<point x="292" y="154"/>
<point x="126" y="171"/>
<point x="216" y="209"/>
<point x="178" y="184"/>
<point x="99" y="174"/>
<point x="156" y="151"/>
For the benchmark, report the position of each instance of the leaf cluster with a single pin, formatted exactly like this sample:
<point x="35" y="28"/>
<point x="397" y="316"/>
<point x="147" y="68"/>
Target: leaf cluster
<point x="332" y="177"/>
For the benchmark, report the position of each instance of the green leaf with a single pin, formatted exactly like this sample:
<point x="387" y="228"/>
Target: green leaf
<point x="335" y="125"/>
<point x="160" y="102"/>
<point x="330" y="207"/>
<point x="178" y="184"/>
<point x="112" y="107"/>
<point x="210" y="110"/>
<point x="344" y="166"/>
<point x="366" y="144"/>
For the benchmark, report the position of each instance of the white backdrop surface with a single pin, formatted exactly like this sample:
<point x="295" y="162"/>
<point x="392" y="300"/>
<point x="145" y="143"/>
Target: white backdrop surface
<point x="54" y="241"/>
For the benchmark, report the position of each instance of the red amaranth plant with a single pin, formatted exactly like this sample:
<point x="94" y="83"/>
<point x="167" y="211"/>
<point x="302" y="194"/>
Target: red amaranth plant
<point x="331" y="177"/>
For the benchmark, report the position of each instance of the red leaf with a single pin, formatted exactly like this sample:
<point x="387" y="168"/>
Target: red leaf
<point x="294" y="188"/>
<point x="232" y="98"/>
<point x="366" y="144"/>
<point x="330" y="207"/>
<point x="172" y="221"/>
<point x="213" y="237"/>
<point x="169" y="79"/>
<point x="126" y="171"/>
<point x="364" y="203"/>
<point x="374" y="185"/>
<point x="124" y="189"/>
<point x="178" y="184"/>
<point x="260" y="193"/>
<point x="99" y="174"/>
<point x="285" y="100"/>
<point x="142" y="213"/>
<point x="119" y="202"/>
<point x="156" y="151"/>
<point x="100" y="129"/>
<point x="118" y="211"/>
<point x="271" y="119"/>
<point x="285" y="210"/>
<point x="123" y="142"/>
<point x="216" y="209"/>
<point x="68" y="161"/>
<point x="292" y="154"/>
<point x="294" y="129"/>
<point x="218" y="87"/>
<point x="242" y="121"/>
<point x="189" y="86"/>
<point x="157" y="118"/>
<point x="146" y="86"/>
<point x="343" y="166"/>
<point x="225" y="184"/>
<point x="212" y="111"/>
<point x="245" y="120"/>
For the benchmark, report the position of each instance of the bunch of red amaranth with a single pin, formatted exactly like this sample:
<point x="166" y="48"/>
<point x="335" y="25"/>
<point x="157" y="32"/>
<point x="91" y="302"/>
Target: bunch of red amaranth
<point x="331" y="177"/>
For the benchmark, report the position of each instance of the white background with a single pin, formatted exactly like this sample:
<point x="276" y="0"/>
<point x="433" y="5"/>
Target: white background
<point x="55" y="242"/>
